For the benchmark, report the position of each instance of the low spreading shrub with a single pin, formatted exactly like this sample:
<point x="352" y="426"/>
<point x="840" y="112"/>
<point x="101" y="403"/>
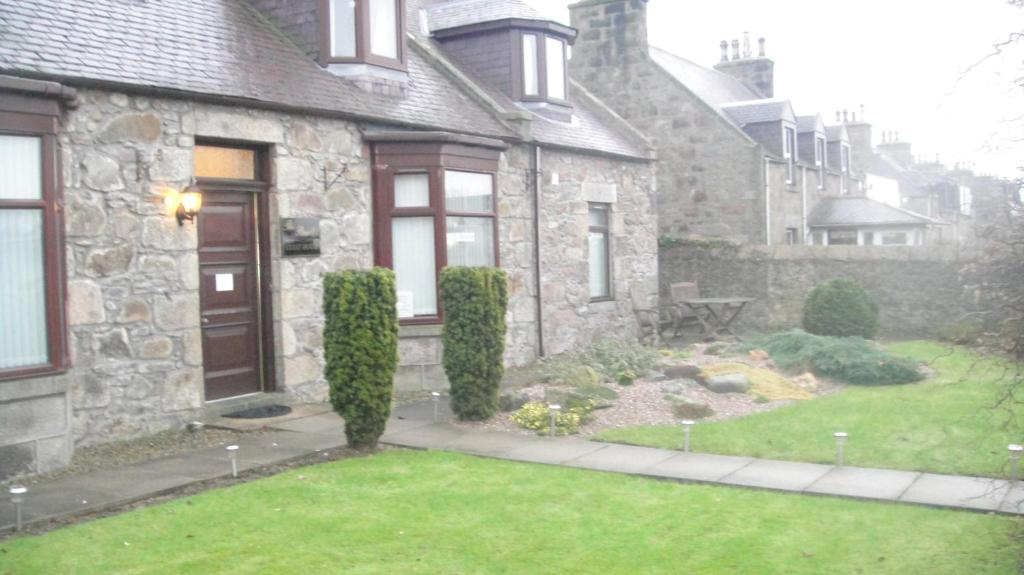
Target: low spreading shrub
<point x="475" y="302"/>
<point x="841" y="308"/>
<point x="612" y="361"/>
<point x="851" y="360"/>
<point x="361" y="350"/>
<point x="537" y="416"/>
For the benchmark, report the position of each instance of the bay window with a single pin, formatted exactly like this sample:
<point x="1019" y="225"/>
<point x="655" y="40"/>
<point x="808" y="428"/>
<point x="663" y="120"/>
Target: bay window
<point x="543" y="68"/>
<point x="31" y="284"/>
<point x="599" y="254"/>
<point x="370" y="31"/>
<point x="435" y="206"/>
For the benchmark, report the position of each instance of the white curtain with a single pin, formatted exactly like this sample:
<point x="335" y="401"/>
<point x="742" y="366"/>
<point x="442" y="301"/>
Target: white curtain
<point x="468" y="192"/>
<point x="22" y="288"/>
<point x="343" y="28"/>
<point x="530" y="80"/>
<point x="470" y="242"/>
<point x="412" y="244"/>
<point x="556" y="68"/>
<point x="21" y="168"/>
<point x="384" y="28"/>
<point x="598" y="265"/>
<point x="412" y="191"/>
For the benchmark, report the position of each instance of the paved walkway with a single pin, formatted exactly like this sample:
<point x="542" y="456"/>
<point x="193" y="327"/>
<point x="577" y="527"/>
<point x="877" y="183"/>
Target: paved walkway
<point x="413" y="427"/>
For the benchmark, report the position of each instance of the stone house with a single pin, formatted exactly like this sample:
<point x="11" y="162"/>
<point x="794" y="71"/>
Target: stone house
<point x="176" y="177"/>
<point x="735" y="160"/>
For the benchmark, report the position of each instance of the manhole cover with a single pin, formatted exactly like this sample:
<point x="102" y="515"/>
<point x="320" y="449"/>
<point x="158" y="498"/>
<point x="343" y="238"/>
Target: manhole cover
<point x="261" y="412"/>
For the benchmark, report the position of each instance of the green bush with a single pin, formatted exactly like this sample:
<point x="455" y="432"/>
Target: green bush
<point x="475" y="301"/>
<point x="851" y="360"/>
<point x="841" y="308"/>
<point x="537" y="417"/>
<point x="361" y="349"/>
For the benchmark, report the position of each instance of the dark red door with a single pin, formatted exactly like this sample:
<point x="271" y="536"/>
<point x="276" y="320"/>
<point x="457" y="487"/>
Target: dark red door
<point x="230" y="294"/>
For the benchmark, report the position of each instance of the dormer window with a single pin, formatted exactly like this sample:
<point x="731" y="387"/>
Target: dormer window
<point x="543" y="70"/>
<point x="363" y="31"/>
<point x="789" y="153"/>
<point x="819" y="160"/>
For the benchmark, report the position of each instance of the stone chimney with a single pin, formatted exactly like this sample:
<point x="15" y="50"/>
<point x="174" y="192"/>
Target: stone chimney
<point x="861" y="146"/>
<point x="611" y="33"/>
<point x="755" y="72"/>
<point x="898" y="150"/>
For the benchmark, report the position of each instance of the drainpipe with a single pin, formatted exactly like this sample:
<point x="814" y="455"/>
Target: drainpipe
<point x="767" y="202"/>
<point x="537" y="179"/>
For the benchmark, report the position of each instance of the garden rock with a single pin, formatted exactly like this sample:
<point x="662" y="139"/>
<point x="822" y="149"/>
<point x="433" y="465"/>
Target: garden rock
<point x="677" y="387"/>
<point x="691" y="410"/>
<point x="512" y="401"/>
<point x="684" y="371"/>
<point x="728" y="383"/>
<point x="806" y="381"/>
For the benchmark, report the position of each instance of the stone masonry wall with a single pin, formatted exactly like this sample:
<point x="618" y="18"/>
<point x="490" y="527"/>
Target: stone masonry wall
<point x="918" y="289"/>
<point x="710" y="176"/>
<point x="133" y="275"/>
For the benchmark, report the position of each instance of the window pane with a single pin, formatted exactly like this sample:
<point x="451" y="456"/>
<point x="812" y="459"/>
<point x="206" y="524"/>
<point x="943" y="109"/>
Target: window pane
<point x="598" y="217"/>
<point x="412" y="191"/>
<point x="471" y="242"/>
<point x="842" y="238"/>
<point x="599" y="276"/>
<point x="412" y="241"/>
<point x="556" y="68"/>
<point x="232" y="163"/>
<point x="468" y="192"/>
<point x="384" y="28"/>
<point x="21" y="172"/>
<point x="530" y="87"/>
<point x="22" y="289"/>
<point x="894" y="239"/>
<point x="343" y="28"/>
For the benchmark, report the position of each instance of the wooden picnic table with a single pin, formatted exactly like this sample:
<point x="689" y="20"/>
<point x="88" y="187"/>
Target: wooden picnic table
<point x="714" y="321"/>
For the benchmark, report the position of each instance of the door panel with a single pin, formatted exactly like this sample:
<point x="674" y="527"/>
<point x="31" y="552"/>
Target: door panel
<point x="230" y="294"/>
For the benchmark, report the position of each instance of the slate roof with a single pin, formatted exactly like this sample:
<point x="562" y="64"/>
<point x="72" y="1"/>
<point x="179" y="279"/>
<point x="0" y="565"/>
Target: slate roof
<point x="805" y="124"/>
<point x="760" y="111"/>
<point x="850" y="211"/>
<point x="882" y="165"/>
<point x="458" y="13"/>
<point x="836" y="133"/>
<point x="213" y="47"/>
<point x="714" y="87"/>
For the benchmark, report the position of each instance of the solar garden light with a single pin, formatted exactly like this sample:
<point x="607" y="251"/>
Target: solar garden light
<point x="553" y="409"/>
<point x="1015" y="453"/>
<point x="233" y="454"/>
<point x="16" y="492"/>
<point x="436" y="398"/>
<point x="687" y="428"/>
<point x="841" y="438"/>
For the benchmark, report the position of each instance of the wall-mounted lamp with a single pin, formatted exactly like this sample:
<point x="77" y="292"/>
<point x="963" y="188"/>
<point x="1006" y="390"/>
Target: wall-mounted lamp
<point x="186" y="203"/>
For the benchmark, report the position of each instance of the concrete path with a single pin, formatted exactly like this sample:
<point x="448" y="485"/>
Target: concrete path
<point x="414" y="427"/>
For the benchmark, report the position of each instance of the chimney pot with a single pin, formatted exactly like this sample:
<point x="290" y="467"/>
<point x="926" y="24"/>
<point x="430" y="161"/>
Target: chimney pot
<point x="846" y="115"/>
<point x="863" y="118"/>
<point x="725" y="50"/>
<point x="853" y="117"/>
<point x="839" y="116"/>
<point x="746" y="45"/>
<point x="760" y="47"/>
<point x="735" y="49"/>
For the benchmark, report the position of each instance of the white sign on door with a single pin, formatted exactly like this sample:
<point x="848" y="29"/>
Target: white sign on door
<point x="225" y="282"/>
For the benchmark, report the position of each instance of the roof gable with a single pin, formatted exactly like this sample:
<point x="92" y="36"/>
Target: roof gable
<point x="807" y="124"/>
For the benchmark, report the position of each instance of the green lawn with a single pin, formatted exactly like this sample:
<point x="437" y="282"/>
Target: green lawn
<point x="430" y="512"/>
<point x="946" y="424"/>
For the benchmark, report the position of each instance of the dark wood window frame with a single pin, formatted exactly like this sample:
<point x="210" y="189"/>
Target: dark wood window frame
<point x="40" y="119"/>
<point x="518" y="79"/>
<point x="392" y="159"/>
<point x="364" y="55"/>
<point x="606" y="231"/>
<point x="259" y="186"/>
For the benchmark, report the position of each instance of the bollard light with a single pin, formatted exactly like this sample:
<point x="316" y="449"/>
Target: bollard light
<point x="17" y="492"/>
<point x="841" y="438"/>
<point x="233" y="455"/>
<point x="1015" y="454"/>
<point x="553" y="409"/>
<point x="687" y="429"/>
<point x="436" y="398"/>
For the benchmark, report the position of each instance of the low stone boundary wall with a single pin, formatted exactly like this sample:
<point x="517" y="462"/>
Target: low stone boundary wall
<point x="918" y="289"/>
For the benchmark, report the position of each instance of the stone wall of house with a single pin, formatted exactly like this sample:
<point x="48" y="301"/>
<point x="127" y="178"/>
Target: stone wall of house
<point x="918" y="290"/>
<point x="710" y="175"/>
<point x="133" y="278"/>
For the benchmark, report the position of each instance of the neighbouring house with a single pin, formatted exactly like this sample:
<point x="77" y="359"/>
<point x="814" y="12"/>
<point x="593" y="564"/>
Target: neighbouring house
<point x="176" y="177"/>
<point x="861" y="221"/>
<point x="735" y="160"/>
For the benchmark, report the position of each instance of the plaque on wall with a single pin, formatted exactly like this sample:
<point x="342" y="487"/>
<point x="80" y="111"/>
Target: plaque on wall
<point x="300" y="237"/>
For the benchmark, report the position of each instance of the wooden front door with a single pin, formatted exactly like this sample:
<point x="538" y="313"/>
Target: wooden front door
<point x="230" y="293"/>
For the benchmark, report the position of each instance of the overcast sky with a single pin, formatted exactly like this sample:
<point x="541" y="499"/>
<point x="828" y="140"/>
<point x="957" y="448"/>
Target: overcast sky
<point x="901" y="59"/>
